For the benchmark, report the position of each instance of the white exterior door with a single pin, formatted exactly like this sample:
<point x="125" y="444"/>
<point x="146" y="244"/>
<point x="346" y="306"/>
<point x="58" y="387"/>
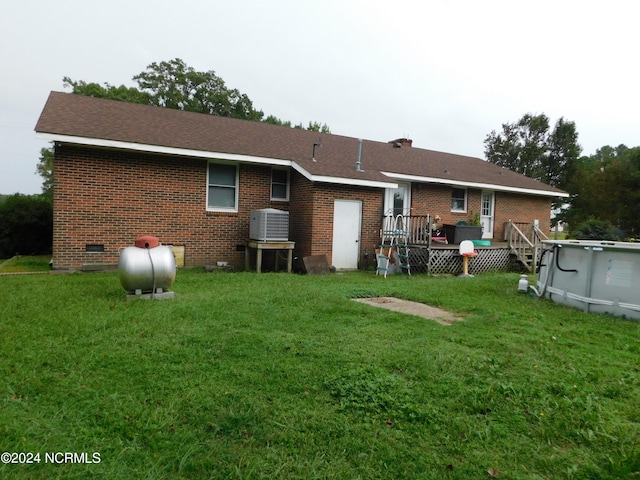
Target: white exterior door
<point x="347" y="217"/>
<point x="487" y="213"/>
<point x="398" y="200"/>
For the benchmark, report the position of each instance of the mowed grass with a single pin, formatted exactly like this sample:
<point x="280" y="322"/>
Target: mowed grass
<point x="25" y="264"/>
<point x="277" y="376"/>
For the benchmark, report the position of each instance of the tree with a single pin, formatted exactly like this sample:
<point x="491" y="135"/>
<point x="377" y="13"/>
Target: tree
<point x="121" y="93"/>
<point x="563" y="152"/>
<point x="173" y="84"/>
<point x="26" y="225"/>
<point x="529" y="148"/>
<point x="606" y="187"/>
<point x="317" y="127"/>
<point x="45" y="170"/>
<point x="273" y="120"/>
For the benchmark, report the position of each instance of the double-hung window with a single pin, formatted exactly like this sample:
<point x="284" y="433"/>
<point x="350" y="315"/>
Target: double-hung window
<point x="458" y="200"/>
<point x="280" y="185"/>
<point x="222" y="187"/>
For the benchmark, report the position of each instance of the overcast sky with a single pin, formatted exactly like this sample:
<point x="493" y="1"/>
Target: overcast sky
<point x="444" y="73"/>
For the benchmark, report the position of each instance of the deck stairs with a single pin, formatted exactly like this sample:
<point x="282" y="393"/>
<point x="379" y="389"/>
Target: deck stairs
<point x="524" y="247"/>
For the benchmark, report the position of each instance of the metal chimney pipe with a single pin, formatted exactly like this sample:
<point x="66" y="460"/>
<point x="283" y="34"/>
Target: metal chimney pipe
<point x="359" y="161"/>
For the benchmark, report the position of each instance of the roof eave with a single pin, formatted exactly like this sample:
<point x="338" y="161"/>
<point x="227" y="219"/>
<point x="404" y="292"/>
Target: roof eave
<point x="140" y="147"/>
<point x="488" y="186"/>
<point x="342" y="180"/>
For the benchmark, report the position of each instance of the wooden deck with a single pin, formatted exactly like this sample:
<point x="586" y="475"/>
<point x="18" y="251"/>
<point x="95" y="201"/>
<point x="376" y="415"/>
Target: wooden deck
<point x="426" y="255"/>
<point x="446" y="246"/>
<point x="445" y="259"/>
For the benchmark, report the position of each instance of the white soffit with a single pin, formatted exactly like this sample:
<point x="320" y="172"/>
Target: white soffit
<point x="486" y="186"/>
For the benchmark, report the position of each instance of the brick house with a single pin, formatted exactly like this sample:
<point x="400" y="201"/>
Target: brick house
<point x="123" y="170"/>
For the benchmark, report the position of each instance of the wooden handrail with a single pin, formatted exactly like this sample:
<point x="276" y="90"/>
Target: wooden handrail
<point x="520" y="244"/>
<point x="539" y="234"/>
<point x="417" y="227"/>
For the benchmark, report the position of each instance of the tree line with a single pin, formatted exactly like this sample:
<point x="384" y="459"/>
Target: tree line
<point x="604" y="187"/>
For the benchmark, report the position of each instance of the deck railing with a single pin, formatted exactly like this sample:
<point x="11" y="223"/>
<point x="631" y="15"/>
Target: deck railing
<point x="419" y="233"/>
<point x="417" y="227"/>
<point x="526" y="246"/>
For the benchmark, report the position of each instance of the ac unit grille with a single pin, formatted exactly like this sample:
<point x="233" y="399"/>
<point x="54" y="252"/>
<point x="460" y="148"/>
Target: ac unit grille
<point x="269" y="225"/>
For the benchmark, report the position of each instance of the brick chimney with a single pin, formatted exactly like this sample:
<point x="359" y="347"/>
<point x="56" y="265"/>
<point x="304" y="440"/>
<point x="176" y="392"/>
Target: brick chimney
<point x="401" y="142"/>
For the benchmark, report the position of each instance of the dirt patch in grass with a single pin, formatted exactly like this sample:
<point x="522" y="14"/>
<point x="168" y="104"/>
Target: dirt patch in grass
<point x="412" y="308"/>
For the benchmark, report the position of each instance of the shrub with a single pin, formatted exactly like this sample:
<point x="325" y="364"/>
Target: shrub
<point x="26" y="225"/>
<point x="594" y="229"/>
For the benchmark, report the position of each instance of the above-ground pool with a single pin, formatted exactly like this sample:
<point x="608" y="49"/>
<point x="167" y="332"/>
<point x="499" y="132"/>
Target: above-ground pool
<point x="595" y="276"/>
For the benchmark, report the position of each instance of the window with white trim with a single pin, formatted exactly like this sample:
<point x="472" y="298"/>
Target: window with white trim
<point x="222" y="187"/>
<point x="458" y="200"/>
<point x="280" y="184"/>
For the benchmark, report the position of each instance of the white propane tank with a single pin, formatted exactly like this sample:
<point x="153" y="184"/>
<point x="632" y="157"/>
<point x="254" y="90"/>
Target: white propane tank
<point x="147" y="266"/>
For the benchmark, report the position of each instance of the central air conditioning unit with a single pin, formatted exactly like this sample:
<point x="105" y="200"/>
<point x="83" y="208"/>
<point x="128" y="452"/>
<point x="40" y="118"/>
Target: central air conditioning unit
<point x="269" y="225"/>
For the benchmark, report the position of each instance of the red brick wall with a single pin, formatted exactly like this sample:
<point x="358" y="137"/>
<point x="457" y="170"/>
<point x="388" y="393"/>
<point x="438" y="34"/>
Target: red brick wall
<point x="301" y="214"/>
<point x="111" y="197"/>
<point x="521" y="208"/>
<point x="311" y="215"/>
<point x="436" y="200"/>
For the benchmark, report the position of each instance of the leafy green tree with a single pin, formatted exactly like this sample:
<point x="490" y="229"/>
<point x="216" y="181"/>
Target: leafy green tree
<point x="520" y="146"/>
<point x="173" y="84"/>
<point x="528" y="147"/>
<point x="273" y="120"/>
<point x="563" y="152"/>
<point x="606" y="187"/>
<point x="317" y="127"/>
<point x="45" y="170"/>
<point x="121" y="93"/>
<point x="26" y="225"/>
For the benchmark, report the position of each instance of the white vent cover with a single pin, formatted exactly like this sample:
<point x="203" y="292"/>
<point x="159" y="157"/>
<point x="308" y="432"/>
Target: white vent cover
<point x="269" y="225"/>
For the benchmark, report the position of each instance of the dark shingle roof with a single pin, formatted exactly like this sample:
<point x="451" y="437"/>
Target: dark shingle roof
<point x="67" y="115"/>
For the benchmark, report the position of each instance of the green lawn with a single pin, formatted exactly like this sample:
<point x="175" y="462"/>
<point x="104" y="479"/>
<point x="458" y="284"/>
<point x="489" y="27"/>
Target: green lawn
<point x="277" y="376"/>
<point x="25" y="264"/>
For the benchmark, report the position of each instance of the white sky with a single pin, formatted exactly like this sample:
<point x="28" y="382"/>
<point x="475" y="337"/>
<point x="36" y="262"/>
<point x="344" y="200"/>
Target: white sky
<point x="442" y="72"/>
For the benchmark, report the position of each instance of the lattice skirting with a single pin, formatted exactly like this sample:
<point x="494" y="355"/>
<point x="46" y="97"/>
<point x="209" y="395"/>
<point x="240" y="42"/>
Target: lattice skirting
<point x="449" y="261"/>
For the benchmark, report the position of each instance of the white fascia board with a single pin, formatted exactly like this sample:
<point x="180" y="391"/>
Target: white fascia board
<point x="341" y="180"/>
<point x="141" y="147"/>
<point x="487" y="186"/>
<point x="353" y="181"/>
